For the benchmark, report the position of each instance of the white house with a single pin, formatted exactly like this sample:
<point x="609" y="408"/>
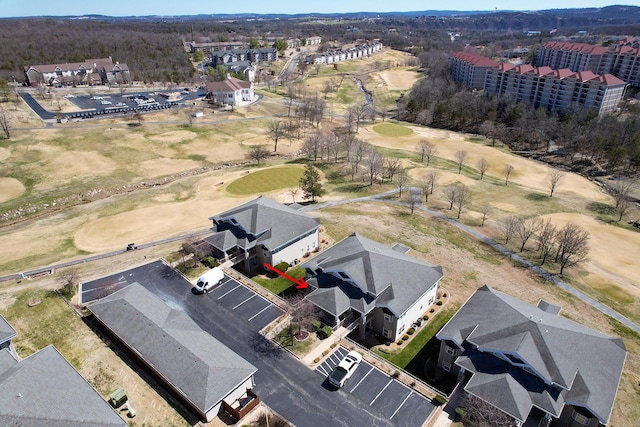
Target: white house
<point x="230" y="91"/>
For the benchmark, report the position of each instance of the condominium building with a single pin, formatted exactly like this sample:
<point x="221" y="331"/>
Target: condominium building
<point x="552" y="89"/>
<point x="556" y="90"/>
<point x="621" y="60"/>
<point x="470" y="68"/>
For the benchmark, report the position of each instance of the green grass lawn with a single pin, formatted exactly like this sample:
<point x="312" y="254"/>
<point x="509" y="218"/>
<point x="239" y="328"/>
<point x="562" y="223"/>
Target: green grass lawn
<point x="413" y="356"/>
<point x="49" y="322"/>
<point x="392" y="129"/>
<point x="280" y="284"/>
<point x="265" y="180"/>
<point x="286" y="339"/>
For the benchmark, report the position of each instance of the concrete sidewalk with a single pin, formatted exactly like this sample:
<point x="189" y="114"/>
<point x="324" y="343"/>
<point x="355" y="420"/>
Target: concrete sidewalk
<point x="324" y="345"/>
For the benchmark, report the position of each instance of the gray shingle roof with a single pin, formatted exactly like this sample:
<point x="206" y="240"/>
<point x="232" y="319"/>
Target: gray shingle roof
<point x="271" y="223"/>
<point x="6" y="331"/>
<point x="395" y="279"/>
<point x="45" y="390"/>
<point x="197" y="365"/>
<point x="585" y="363"/>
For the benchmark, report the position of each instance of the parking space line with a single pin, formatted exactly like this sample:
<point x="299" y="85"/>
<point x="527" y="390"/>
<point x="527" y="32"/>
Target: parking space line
<point x="359" y="382"/>
<point x="252" y="296"/>
<point x="228" y="292"/>
<point x="381" y="391"/>
<point x="323" y="371"/>
<point x="255" y="315"/>
<point x="405" y="399"/>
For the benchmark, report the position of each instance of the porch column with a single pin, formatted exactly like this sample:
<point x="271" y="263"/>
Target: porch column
<point x="362" y="328"/>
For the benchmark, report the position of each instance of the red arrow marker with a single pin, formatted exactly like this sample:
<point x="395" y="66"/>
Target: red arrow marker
<point x="300" y="283"/>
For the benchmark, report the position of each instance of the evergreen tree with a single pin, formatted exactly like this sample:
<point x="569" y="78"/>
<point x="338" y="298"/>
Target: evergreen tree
<point x="310" y="183"/>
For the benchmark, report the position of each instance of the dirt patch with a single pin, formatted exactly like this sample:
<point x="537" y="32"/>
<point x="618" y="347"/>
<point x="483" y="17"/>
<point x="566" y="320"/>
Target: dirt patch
<point x="174" y="136"/>
<point x="10" y="188"/>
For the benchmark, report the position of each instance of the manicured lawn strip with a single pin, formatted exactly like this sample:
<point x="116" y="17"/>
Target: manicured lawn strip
<point x="392" y="129"/>
<point x="267" y="180"/>
<point x="418" y="348"/>
<point x="286" y="339"/>
<point x="280" y="284"/>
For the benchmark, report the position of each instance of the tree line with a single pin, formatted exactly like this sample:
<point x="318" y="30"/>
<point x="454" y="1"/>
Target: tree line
<point x="602" y="145"/>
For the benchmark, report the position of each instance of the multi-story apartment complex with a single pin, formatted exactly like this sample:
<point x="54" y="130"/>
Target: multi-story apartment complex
<point x="621" y="60"/>
<point x="555" y="90"/>
<point x="470" y="68"/>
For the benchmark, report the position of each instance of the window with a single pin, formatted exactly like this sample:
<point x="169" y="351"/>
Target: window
<point x="386" y="333"/>
<point x="446" y="366"/>
<point x="388" y="318"/>
<point x="452" y="351"/>
<point x="579" y="418"/>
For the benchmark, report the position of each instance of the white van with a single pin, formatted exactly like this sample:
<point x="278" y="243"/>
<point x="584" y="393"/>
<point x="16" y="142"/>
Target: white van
<point x="209" y="280"/>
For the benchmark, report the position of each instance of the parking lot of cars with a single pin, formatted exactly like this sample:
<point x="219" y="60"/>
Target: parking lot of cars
<point x="400" y="404"/>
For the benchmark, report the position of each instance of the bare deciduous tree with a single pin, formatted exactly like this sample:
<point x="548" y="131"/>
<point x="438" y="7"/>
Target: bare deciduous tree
<point x="461" y="158"/>
<point x="4" y="123"/>
<point x="293" y="192"/>
<point x="553" y="180"/>
<point x="526" y="228"/>
<point x="483" y="166"/>
<point x="479" y="413"/>
<point x="509" y="226"/>
<point x="302" y="311"/>
<point x="402" y="181"/>
<point x="391" y="167"/>
<point x="427" y="150"/>
<point x="275" y="131"/>
<point x="374" y="163"/>
<point x="258" y="152"/>
<point x="450" y="192"/>
<point x="573" y="245"/>
<point x="621" y="190"/>
<point x="463" y="198"/>
<point x="508" y="170"/>
<point x="69" y="280"/>
<point x="484" y="210"/>
<point x="428" y="183"/>
<point x="546" y="239"/>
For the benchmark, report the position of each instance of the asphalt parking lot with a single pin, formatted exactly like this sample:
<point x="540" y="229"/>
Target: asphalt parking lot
<point x="398" y="403"/>
<point x="245" y="303"/>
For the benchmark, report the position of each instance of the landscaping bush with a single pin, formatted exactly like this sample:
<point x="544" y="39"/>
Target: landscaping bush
<point x="425" y="317"/>
<point x="210" y="262"/>
<point x="317" y="325"/>
<point x="411" y="331"/>
<point x="406" y="337"/>
<point x="334" y="345"/>
<point x="439" y="303"/>
<point x="439" y="400"/>
<point x="282" y="266"/>
<point x="324" y="332"/>
<point x="316" y="360"/>
<point x="432" y="310"/>
<point x="460" y="413"/>
<point x="400" y="342"/>
<point x="444" y="295"/>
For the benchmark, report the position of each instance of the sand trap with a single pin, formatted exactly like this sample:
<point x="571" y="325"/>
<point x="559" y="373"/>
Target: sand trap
<point x="399" y="79"/>
<point x="606" y="248"/>
<point x="10" y="188"/>
<point x="4" y="153"/>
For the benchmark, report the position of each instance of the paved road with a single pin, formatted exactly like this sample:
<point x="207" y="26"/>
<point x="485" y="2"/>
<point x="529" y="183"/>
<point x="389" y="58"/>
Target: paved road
<point x="36" y="107"/>
<point x="514" y="256"/>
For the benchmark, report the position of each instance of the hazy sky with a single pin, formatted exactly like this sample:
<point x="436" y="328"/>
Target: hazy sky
<point x="10" y="8"/>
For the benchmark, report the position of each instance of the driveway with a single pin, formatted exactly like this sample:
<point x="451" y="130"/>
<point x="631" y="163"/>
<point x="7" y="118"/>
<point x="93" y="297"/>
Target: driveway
<point x="230" y="314"/>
